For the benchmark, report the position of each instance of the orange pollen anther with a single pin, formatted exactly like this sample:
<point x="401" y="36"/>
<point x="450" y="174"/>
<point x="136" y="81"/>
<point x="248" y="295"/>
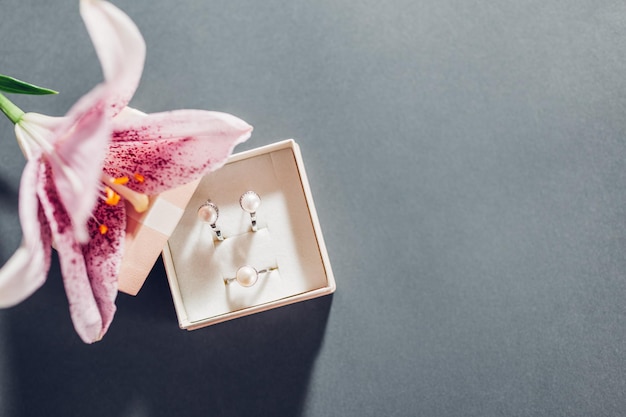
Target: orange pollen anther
<point x="114" y="192"/>
<point x="138" y="177"/>
<point x="103" y="229"/>
<point x="112" y="198"/>
<point x="121" y="180"/>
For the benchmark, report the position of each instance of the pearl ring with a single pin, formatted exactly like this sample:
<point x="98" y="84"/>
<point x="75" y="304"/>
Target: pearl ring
<point x="250" y="202"/>
<point x="209" y="213"/>
<point x="247" y="276"/>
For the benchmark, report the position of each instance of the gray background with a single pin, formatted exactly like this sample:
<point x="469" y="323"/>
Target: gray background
<point x="467" y="161"/>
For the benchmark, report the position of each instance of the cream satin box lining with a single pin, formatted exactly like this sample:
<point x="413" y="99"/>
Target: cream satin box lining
<point x="289" y="238"/>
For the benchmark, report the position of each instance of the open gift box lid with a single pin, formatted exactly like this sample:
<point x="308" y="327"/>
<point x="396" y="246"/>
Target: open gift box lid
<point x="289" y="239"/>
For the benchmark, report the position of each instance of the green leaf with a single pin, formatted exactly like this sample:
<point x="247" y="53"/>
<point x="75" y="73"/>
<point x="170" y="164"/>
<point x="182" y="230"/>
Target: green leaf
<point x="13" y="85"/>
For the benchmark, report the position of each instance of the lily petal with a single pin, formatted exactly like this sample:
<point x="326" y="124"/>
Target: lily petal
<point x="83" y="306"/>
<point x="26" y="270"/>
<point x="120" y="48"/>
<point x="176" y="124"/>
<point x="37" y="125"/>
<point x="172" y="148"/>
<point x="80" y="143"/>
<point x="47" y="124"/>
<point x="103" y="256"/>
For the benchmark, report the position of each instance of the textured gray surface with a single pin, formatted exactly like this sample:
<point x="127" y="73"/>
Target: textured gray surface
<point x="468" y="165"/>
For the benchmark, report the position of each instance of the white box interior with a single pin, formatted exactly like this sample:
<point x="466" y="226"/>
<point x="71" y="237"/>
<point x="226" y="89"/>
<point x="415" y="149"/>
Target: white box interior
<point x="197" y="263"/>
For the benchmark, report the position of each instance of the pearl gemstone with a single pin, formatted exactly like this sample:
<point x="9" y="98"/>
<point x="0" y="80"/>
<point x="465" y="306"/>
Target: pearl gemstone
<point x="208" y="213"/>
<point x="250" y="201"/>
<point x="247" y="276"/>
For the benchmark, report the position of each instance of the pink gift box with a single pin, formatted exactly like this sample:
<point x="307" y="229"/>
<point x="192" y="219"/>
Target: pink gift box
<point x="147" y="233"/>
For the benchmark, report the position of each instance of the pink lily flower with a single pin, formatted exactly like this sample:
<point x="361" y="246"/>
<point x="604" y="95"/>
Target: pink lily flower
<point x="82" y="166"/>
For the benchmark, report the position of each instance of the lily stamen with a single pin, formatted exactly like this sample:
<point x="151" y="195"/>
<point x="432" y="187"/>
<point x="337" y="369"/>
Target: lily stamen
<point x="102" y="228"/>
<point x="121" y="180"/>
<point x="139" y="201"/>
<point x="112" y="198"/>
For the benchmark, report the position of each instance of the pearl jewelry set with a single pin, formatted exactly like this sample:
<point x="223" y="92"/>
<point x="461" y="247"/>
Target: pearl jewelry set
<point x="249" y="202"/>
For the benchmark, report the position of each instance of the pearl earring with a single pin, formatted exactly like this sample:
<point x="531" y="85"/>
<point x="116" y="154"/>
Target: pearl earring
<point x="247" y="276"/>
<point x="208" y="212"/>
<point x="250" y="202"/>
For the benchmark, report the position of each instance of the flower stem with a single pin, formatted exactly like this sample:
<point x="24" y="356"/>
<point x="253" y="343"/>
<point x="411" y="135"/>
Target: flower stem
<point x="11" y="111"/>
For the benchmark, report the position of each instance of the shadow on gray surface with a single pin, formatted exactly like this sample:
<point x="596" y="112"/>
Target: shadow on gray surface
<point x="8" y="215"/>
<point x="8" y="192"/>
<point x="146" y="366"/>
